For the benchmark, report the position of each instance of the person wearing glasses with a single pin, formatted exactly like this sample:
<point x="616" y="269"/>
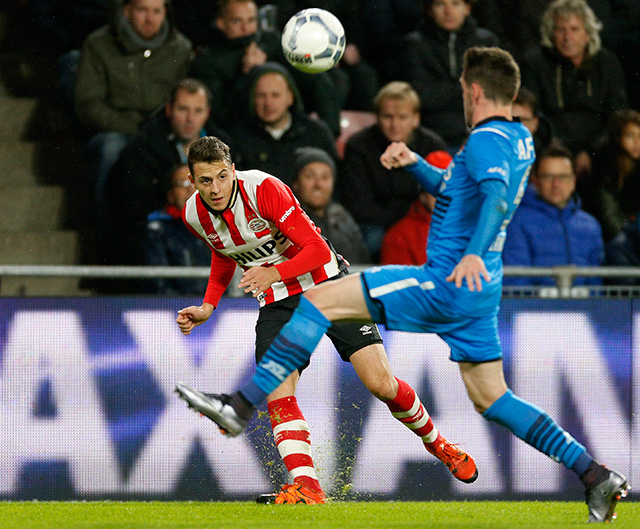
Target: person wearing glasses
<point x="550" y="228"/>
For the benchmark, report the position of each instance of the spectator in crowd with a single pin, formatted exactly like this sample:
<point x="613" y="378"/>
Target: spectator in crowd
<point x="313" y="186"/>
<point x="550" y="228"/>
<point x="526" y="108"/>
<point x="277" y="125"/>
<point x="517" y="24"/>
<point x="376" y="197"/>
<point x="126" y="71"/>
<point x="612" y="191"/>
<point x="167" y="240"/>
<point x="578" y="83"/>
<point x="406" y="241"/>
<point x="235" y="47"/>
<point x="385" y="23"/>
<point x="432" y="63"/>
<point x="138" y="182"/>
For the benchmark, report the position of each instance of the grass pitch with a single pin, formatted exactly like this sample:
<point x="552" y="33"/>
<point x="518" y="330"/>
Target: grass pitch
<point x="336" y="515"/>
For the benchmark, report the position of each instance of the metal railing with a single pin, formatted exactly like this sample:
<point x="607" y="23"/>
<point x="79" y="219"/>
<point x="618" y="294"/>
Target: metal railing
<point x="563" y="276"/>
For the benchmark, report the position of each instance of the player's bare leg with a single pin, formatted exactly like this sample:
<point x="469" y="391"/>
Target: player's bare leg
<point x="341" y="299"/>
<point x="372" y="366"/>
<point x="489" y="392"/>
<point x="485" y="383"/>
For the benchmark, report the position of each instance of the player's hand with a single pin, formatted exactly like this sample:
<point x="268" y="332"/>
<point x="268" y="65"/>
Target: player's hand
<point x="472" y="270"/>
<point x="397" y="154"/>
<point x="189" y="317"/>
<point x="257" y="279"/>
<point x="253" y="56"/>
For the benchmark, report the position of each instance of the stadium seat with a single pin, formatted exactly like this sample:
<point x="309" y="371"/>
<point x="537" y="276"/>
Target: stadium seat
<point x="351" y="121"/>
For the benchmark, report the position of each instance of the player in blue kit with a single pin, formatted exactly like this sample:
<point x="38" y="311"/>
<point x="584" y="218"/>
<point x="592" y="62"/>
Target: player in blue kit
<point x="457" y="293"/>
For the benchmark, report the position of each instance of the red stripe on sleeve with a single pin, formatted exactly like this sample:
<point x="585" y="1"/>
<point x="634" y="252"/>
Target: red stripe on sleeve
<point x="278" y="204"/>
<point x="222" y="269"/>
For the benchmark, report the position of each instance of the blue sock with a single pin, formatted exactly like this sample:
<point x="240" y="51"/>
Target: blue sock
<point x="290" y="350"/>
<point x="535" y="427"/>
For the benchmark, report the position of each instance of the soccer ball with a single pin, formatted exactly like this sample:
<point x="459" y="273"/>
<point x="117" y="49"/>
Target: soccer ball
<point x="313" y="40"/>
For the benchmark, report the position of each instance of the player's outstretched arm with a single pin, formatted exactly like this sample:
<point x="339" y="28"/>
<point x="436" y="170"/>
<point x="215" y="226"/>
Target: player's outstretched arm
<point x="190" y="317"/>
<point x="398" y="155"/>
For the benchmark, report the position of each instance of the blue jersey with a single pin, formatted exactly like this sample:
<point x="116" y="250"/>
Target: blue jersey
<point x="497" y="149"/>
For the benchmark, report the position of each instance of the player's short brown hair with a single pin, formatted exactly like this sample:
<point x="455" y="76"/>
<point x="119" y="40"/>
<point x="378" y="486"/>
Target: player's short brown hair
<point x="398" y="91"/>
<point x="208" y="149"/>
<point x="495" y="70"/>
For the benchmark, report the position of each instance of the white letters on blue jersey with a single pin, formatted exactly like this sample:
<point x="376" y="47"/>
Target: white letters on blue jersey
<point x="497" y="149"/>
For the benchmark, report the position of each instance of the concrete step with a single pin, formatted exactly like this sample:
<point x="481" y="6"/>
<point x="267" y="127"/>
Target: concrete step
<point x="18" y="161"/>
<point x="41" y="286"/>
<point x="30" y="247"/>
<point x="16" y="113"/>
<point x="35" y="208"/>
<point x="40" y="248"/>
<point x="53" y="162"/>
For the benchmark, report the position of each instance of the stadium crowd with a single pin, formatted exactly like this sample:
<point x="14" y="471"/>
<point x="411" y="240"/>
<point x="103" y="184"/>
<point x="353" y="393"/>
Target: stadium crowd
<point x="140" y="80"/>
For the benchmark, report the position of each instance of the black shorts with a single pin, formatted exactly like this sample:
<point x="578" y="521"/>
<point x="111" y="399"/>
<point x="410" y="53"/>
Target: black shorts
<point x="347" y="337"/>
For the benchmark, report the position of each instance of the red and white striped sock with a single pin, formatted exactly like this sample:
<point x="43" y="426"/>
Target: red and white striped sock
<point x="293" y="440"/>
<point x="407" y="408"/>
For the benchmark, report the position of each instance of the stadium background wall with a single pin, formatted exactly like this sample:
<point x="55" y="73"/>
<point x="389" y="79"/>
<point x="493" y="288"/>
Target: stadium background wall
<point x="87" y="409"/>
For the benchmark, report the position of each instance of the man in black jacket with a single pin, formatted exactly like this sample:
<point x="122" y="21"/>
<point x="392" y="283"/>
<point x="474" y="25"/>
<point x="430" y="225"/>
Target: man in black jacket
<point x="579" y="84"/>
<point x="432" y="63"/>
<point x="138" y="182"/>
<point x="376" y="197"/>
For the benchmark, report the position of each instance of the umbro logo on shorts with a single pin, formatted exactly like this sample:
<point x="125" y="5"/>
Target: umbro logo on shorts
<point x="365" y="329"/>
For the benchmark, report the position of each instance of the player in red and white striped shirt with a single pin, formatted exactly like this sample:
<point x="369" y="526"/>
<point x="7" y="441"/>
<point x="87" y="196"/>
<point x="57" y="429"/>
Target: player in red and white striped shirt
<point x="252" y="219"/>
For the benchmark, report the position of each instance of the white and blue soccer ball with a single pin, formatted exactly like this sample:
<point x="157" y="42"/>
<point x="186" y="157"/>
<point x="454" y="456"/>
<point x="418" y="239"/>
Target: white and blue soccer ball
<point x="313" y="40"/>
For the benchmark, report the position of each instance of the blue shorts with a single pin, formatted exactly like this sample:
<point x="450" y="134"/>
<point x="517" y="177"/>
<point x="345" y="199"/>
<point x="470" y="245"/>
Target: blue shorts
<point x="414" y="299"/>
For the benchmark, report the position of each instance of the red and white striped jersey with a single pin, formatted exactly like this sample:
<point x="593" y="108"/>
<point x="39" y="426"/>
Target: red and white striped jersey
<point x="264" y="225"/>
